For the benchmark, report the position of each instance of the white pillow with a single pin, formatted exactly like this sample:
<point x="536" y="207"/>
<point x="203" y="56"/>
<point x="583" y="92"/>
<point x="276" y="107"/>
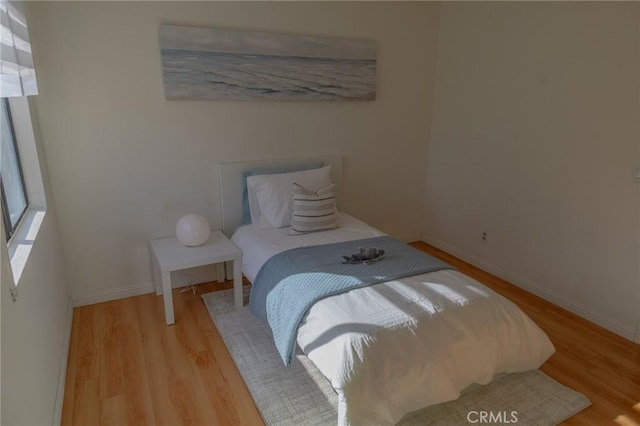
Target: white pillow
<point x="270" y="195"/>
<point x="313" y="210"/>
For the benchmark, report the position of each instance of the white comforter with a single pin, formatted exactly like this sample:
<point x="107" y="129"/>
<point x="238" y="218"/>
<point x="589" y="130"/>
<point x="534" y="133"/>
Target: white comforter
<point x="395" y="347"/>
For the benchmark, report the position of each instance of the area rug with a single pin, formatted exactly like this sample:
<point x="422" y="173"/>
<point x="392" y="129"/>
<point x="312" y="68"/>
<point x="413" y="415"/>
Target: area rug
<point x="300" y="395"/>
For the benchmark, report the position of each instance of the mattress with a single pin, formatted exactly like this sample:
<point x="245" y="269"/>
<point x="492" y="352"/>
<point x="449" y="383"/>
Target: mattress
<point x="395" y="347"/>
<point x="259" y="245"/>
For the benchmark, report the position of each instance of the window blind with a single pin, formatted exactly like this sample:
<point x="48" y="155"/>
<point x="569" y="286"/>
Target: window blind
<point x="17" y="74"/>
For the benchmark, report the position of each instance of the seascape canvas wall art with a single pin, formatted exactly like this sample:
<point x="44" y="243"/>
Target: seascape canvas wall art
<point x="220" y="64"/>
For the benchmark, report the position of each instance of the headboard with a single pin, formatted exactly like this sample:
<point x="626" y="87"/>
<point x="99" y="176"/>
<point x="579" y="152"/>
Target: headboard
<point x="230" y="178"/>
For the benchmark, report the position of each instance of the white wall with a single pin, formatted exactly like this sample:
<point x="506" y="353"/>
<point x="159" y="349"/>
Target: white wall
<point x="126" y="164"/>
<point x="35" y="328"/>
<point x="534" y="136"/>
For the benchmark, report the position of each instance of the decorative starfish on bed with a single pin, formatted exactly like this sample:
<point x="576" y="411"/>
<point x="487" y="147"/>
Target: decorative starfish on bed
<point x="364" y="255"/>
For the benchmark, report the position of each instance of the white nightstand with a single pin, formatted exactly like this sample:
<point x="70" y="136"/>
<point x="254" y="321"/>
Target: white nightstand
<point x="168" y="254"/>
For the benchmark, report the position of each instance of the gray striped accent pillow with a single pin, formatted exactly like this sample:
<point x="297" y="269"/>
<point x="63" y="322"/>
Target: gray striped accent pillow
<point x="313" y="211"/>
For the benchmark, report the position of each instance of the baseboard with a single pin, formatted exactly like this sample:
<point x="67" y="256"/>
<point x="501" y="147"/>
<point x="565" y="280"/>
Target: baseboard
<point x="62" y="374"/>
<point x="532" y="287"/>
<point x="114" y="294"/>
<point x="179" y="279"/>
<point x="408" y="237"/>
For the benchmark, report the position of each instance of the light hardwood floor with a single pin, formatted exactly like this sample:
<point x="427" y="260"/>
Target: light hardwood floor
<point x="126" y="367"/>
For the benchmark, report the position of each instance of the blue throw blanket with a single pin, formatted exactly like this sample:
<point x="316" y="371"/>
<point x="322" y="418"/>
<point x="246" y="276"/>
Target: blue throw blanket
<point x="290" y="282"/>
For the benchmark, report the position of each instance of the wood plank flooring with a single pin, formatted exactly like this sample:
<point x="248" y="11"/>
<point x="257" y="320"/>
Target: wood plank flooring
<point x="126" y="367"/>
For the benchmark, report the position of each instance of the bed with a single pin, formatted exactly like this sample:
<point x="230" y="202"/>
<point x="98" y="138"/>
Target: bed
<point x="398" y="345"/>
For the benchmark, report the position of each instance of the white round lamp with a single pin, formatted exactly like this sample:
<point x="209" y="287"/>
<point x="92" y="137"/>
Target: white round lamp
<point x="193" y="230"/>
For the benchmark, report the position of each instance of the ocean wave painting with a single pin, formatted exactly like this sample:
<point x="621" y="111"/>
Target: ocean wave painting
<point x="214" y="64"/>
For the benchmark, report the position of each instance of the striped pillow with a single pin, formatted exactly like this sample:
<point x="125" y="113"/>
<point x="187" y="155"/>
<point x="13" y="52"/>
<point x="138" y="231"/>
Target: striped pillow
<point x="313" y="211"/>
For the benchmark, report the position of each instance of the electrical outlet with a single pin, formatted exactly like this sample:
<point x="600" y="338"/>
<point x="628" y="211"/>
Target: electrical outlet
<point x="484" y="236"/>
<point x="636" y="172"/>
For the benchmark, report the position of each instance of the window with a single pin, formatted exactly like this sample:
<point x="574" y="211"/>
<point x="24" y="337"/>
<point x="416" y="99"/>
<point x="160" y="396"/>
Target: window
<point x="14" y="194"/>
<point x="20" y="174"/>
